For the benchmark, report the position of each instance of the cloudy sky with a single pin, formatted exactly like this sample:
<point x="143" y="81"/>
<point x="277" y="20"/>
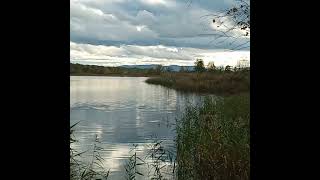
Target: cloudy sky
<point x="168" y="32"/>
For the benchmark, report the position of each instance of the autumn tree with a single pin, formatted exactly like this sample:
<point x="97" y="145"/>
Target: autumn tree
<point x="211" y="67"/>
<point x="199" y="66"/>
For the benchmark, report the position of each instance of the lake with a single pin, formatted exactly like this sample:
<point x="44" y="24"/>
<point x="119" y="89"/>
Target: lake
<point x="122" y="111"/>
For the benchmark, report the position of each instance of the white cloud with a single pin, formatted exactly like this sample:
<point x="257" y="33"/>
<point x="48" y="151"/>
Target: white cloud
<point x="139" y="28"/>
<point x="134" y="54"/>
<point x="154" y="2"/>
<point x="157" y="3"/>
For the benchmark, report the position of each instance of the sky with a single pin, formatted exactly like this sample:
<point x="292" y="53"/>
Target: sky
<point x="136" y="32"/>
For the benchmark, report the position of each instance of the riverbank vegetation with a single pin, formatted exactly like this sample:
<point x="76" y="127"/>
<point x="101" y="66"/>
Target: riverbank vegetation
<point x="213" y="140"/>
<point x="219" y="81"/>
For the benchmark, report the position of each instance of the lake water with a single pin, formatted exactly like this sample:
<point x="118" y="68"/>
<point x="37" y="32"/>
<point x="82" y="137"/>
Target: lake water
<point x="122" y="111"/>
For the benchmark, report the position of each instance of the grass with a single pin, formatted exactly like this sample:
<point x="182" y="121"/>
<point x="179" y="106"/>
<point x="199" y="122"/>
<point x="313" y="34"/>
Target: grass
<point x="220" y="83"/>
<point x="131" y="167"/>
<point x="80" y="170"/>
<point x="213" y="139"/>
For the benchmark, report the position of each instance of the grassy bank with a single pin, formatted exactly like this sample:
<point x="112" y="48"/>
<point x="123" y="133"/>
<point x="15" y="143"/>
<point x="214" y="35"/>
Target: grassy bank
<point x="213" y="140"/>
<point x="220" y="83"/>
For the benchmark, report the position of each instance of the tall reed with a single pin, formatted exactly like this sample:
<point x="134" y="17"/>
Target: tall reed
<point x="82" y="170"/>
<point x="213" y="140"/>
<point x="220" y="83"/>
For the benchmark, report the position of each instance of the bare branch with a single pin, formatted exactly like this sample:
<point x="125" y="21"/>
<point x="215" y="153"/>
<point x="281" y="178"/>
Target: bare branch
<point x="234" y="20"/>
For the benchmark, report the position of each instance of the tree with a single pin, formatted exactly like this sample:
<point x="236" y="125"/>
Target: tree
<point x="227" y="69"/>
<point x="159" y="69"/>
<point x="199" y="66"/>
<point x="169" y="69"/>
<point x="211" y="67"/>
<point x="182" y="69"/>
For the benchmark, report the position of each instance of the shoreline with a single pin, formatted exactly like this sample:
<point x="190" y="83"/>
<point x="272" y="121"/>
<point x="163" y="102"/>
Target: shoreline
<point x="221" y="84"/>
<point x="224" y="84"/>
<point x="111" y="75"/>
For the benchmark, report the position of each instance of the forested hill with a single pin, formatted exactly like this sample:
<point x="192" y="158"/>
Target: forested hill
<point x="145" y="70"/>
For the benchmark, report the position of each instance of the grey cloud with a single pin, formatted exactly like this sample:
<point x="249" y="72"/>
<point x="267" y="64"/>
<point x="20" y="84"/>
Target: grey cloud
<point x="136" y="22"/>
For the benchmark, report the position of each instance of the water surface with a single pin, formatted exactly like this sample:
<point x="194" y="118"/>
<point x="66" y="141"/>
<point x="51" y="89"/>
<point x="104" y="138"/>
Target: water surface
<point x="123" y="111"/>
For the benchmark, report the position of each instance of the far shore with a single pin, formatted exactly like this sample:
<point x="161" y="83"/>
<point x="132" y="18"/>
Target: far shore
<point x="115" y="75"/>
<point x="219" y="81"/>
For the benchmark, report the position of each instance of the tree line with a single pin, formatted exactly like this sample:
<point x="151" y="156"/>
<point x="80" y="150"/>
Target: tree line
<point x="199" y="67"/>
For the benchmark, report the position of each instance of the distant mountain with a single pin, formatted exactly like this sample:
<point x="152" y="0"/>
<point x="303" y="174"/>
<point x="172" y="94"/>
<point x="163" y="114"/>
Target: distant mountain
<point x="140" y="66"/>
<point x="174" y="68"/>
